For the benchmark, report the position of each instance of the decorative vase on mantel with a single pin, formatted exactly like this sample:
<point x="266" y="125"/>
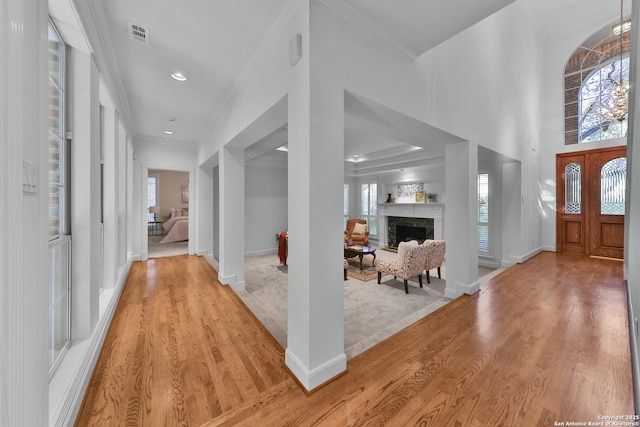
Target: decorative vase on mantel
<point x="389" y="199"/>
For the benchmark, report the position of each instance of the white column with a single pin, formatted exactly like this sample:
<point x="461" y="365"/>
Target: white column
<point x="204" y="211"/>
<point x="24" y="252"/>
<point x="85" y="209"/>
<point x="461" y="224"/>
<point x="315" y="335"/>
<point x="110" y="199"/>
<point x="232" y="217"/>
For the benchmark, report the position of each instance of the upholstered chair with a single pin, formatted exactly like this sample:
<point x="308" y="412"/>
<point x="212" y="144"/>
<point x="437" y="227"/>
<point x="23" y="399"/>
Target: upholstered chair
<point x="358" y="234"/>
<point x="435" y="256"/>
<point x="409" y="263"/>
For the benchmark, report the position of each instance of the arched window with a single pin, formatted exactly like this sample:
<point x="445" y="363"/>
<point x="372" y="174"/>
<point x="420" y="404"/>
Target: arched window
<point x="590" y="77"/>
<point x="595" y="91"/>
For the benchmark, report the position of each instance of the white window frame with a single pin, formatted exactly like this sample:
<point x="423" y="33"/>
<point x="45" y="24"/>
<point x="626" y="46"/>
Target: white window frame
<point x="59" y="286"/>
<point x="486" y="223"/>
<point x="371" y="211"/>
<point x="345" y="204"/>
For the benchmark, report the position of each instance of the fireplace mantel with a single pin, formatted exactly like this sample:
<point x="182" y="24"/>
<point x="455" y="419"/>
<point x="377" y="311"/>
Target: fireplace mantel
<point x="411" y="210"/>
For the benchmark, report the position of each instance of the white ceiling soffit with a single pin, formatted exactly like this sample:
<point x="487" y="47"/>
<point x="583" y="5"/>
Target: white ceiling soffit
<point x="421" y="25"/>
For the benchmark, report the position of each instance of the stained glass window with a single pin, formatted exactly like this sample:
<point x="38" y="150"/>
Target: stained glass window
<point x="573" y="188"/>
<point x="613" y="176"/>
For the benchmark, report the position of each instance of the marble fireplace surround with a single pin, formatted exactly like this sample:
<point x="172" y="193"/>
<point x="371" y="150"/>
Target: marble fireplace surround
<point x="434" y="211"/>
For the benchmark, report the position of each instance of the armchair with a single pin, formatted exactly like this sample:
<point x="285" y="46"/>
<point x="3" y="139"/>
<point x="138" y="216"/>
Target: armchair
<point x="409" y="263"/>
<point x="435" y="256"/>
<point x="359" y="237"/>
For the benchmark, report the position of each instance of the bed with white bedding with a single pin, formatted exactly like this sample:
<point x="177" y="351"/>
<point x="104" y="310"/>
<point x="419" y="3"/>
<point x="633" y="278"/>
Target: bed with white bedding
<point x="177" y="229"/>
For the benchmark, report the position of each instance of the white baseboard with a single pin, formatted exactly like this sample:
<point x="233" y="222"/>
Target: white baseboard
<point x="469" y="289"/>
<point x="73" y="395"/>
<point x="262" y="252"/>
<point x="192" y="250"/>
<point x="202" y="252"/>
<point x="491" y="263"/>
<point x="523" y="258"/>
<point x="136" y="257"/>
<point x="451" y="293"/>
<point x="238" y="286"/>
<point x="549" y="248"/>
<point x="311" y="379"/>
<point x="227" y="280"/>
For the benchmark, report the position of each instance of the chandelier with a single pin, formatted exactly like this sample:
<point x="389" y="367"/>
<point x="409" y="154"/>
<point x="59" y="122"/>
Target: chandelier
<point x="614" y="104"/>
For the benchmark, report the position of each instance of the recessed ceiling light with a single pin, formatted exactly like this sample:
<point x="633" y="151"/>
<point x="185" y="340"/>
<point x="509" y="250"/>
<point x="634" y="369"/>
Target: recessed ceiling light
<point x="355" y="156"/>
<point x="168" y="132"/>
<point x="284" y="147"/>
<point x="172" y="119"/>
<point x="178" y="76"/>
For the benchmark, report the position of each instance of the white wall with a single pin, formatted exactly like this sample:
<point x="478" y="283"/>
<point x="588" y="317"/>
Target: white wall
<point x="266" y="202"/>
<point x="23" y="255"/>
<point x="632" y="213"/>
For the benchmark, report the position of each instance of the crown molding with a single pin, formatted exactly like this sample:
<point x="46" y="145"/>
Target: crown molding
<point x="260" y="53"/>
<point x="93" y="21"/>
<point x="371" y="28"/>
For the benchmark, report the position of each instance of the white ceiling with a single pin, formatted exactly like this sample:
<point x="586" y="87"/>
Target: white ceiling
<point x="214" y="42"/>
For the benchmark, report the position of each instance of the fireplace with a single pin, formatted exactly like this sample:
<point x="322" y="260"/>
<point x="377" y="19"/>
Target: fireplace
<point x="402" y="229"/>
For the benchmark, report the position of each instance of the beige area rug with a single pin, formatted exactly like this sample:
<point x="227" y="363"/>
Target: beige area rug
<point x="372" y="312"/>
<point x="159" y="250"/>
<point x="368" y="271"/>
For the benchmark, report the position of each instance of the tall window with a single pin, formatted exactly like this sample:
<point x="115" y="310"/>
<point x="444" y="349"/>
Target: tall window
<point x="345" y="207"/>
<point x="370" y="207"/>
<point x="483" y="213"/>
<point x="59" y="216"/>
<point x="152" y="194"/>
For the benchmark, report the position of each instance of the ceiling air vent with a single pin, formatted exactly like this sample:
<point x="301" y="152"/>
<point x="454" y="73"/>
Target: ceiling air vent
<point x="138" y="32"/>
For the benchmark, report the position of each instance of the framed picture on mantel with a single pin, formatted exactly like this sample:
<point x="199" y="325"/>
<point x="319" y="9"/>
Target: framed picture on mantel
<point x="421" y="196"/>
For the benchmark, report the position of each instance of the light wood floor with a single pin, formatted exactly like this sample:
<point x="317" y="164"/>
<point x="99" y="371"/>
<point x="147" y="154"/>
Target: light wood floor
<point x="545" y="341"/>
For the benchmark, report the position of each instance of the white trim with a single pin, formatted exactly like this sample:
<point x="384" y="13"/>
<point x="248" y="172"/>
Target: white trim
<point x="260" y="53"/>
<point x="469" y="289"/>
<point x="371" y="29"/>
<point x="67" y="409"/>
<point x="226" y="280"/>
<point x="202" y="252"/>
<point x="261" y="252"/>
<point x="491" y="263"/>
<point x="311" y="379"/>
<point x="238" y="286"/>
<point x="523" y="258"/>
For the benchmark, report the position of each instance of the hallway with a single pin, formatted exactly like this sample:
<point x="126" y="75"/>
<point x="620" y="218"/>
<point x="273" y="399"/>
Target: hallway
<point x="530" y="348"/>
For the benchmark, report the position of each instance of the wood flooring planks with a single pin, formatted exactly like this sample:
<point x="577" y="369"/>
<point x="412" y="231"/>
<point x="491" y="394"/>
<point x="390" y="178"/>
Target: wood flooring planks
<point x="545" y="341"/>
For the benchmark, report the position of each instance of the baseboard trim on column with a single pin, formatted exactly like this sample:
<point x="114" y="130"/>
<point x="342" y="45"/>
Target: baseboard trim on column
<point x="227" y="280"/>
<point x="469" y="289"/>
<point x="315" y="377"/>
<point x="238" y="286"/>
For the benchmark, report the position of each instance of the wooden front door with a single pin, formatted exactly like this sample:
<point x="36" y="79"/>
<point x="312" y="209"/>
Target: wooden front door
<point x="590" y="209"/>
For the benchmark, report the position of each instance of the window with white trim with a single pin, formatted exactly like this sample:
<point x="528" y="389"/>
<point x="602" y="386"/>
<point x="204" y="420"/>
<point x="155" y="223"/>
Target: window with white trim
<point x="483" y="214"/>
<point x="369" y="207"/>
<point x="345" y="207"/>
<point x="59" y="212"/>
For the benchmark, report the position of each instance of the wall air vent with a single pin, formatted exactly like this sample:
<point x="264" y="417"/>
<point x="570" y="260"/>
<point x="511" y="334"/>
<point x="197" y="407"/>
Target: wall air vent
<point x="138" y="32"/>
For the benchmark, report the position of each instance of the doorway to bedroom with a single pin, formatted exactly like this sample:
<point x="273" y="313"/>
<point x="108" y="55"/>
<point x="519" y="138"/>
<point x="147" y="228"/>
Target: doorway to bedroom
<point x="168" y="213"/>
